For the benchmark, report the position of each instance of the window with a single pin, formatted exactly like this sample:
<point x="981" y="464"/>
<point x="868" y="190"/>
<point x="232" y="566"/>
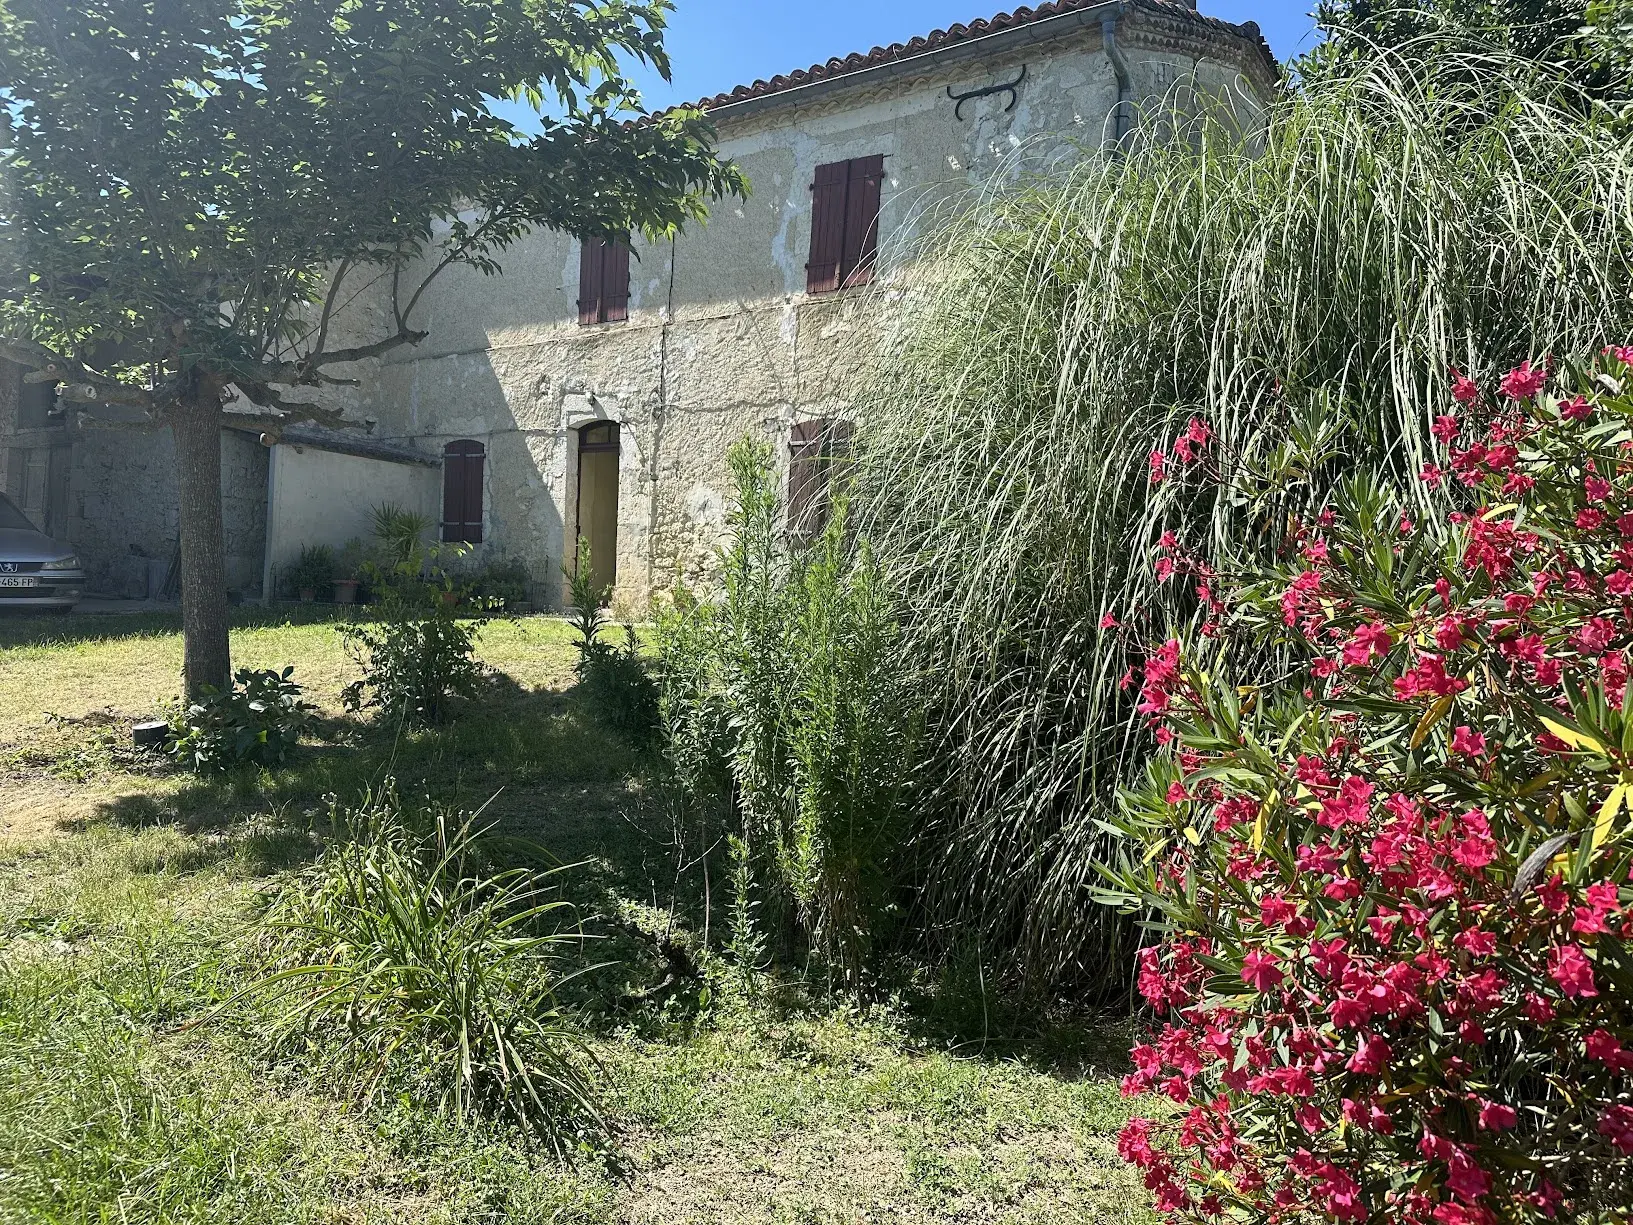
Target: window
<point x="816" y="450"/>
<point x="37" y="407"/>
<point x="844" y="224"/>
<point x="603" y="281"/>
<point x="462" y="491"/>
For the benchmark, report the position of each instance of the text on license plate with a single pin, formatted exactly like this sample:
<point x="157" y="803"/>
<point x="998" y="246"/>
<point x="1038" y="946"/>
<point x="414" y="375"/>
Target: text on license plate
<point x="8" y="581"/>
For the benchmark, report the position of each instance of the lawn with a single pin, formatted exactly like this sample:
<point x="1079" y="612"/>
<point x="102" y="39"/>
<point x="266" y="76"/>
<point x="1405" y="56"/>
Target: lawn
<point x="129" y="892"/>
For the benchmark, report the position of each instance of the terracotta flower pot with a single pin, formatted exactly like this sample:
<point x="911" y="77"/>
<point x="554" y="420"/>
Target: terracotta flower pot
<point x="346" y="591"/>
<point x="308" y="595"/>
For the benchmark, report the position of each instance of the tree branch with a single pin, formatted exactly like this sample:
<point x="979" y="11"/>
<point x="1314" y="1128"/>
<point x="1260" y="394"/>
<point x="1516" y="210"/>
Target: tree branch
<point x="79" y="383"/>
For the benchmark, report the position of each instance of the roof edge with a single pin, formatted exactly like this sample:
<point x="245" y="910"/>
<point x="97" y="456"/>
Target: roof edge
<point x="959" y="42"/>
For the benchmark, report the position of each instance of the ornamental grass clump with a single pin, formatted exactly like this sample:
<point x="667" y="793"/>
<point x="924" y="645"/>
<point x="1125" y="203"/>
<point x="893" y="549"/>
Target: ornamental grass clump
<point x="1395" y="981"/>
<point x="409" y="961"/>
<point x="1414" y="210"/>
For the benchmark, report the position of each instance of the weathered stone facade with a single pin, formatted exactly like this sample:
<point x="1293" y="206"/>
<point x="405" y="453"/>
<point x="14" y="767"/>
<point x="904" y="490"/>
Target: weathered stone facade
<point x="722" y="338"/>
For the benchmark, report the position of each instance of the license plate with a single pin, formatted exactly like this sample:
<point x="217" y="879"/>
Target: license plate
<point x="6" y="581"/>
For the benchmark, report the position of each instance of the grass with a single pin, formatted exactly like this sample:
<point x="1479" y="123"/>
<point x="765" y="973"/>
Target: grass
<point x="129" y="894"/>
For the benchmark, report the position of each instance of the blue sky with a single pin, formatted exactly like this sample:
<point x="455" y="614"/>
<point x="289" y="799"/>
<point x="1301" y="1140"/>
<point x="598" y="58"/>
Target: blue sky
<point x="716" y="44"/>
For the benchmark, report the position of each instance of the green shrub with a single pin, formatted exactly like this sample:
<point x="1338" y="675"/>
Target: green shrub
<point x="613" y="680"/>
<point x="257" y="721"/>
<point x="785" y="700"/>
<point x="415" y="964"/>
<point x="418" y="658"/>
<point x="415" y="667"/>
<point x="1410" y="213"/>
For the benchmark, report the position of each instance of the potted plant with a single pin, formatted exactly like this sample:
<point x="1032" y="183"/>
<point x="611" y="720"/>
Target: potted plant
<point x="346" y="590"/>
<point x="313" y="572"/>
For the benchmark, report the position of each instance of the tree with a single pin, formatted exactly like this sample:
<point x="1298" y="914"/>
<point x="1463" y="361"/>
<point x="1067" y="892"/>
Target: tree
<point x="194" y="190"/>
<point x="1588" y="42"/>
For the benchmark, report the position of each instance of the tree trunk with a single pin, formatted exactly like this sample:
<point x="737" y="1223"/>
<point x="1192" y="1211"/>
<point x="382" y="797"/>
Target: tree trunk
<point x="196" y="427"/>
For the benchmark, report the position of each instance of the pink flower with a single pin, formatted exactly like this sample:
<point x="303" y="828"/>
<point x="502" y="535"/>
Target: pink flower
<point x="1465" y="1179"/>
<point x="1602" y="1045"/>
<point x="1523" y="382"/>
<point x="1469" y="742"/>
<point x="1571" y="969"/>
<point x="1367" y="641"/>
<point x="1108" y="622"/>
<point x="1261" y="972"/>
<point x="1371" y="1056"/>
<point x="1622" y="353"/>
<point x="1577" y="409"/>
<point x="1446" y="428"/>
<point x="1496" y="1117"/>
<point x="1464" y="389"/>
<point x="1432" y="475"/>
<point x="1616" y="1123"/>
<point x="1159" y="466"/>
<point x="1596" y="488"/>
<point x="1134" y="1143"/>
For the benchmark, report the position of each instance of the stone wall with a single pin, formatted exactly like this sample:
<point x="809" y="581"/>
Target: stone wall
<point x="722" y="339"/>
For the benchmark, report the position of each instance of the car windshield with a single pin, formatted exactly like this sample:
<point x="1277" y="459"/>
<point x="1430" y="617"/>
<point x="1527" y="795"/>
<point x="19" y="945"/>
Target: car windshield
<point x="11" y="517"/>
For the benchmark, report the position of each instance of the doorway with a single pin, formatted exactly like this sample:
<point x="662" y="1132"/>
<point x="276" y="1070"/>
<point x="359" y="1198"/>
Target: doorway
<point x="598" y="498"/>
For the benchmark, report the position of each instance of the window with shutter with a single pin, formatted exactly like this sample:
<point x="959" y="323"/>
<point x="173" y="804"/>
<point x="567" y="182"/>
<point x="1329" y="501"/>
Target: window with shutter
<point x="845" y="201"/>
<point x="816" y="452"/>
<point x="462" y="491"/>
<point x="603" y="281"/>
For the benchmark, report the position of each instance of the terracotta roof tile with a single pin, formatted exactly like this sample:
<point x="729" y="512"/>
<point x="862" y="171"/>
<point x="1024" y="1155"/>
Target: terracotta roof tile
<point x="858" y="61"/>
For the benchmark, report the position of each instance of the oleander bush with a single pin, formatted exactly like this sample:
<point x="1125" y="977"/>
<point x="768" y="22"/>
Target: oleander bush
<point x="1395" y="982"/>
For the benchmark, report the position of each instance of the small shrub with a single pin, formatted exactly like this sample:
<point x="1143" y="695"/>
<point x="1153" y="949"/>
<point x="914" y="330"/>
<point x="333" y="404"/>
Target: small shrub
<point x="616" y="684"/>
<point x="313" y="571"/>
<point x="414" y="667"/>
<point x="419" y="658"/>
<point x="413" y="963"/>
<point x="258" y="720"/>
<point x="1397" y="984"/>
<point x="613" y="680"/>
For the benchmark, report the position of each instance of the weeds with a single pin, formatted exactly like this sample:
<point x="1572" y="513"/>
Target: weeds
<point x="786" y="698"/>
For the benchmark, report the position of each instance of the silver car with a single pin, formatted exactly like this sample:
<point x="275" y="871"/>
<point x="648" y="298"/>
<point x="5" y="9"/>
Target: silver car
<point x="35" y="571"/>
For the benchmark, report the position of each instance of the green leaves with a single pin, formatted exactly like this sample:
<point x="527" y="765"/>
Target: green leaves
<point x="183" y="180"/>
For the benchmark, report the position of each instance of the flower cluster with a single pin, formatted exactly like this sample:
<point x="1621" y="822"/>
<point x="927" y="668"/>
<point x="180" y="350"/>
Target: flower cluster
<point x="1187" y="450"/>
<point x="1398" y="983"/>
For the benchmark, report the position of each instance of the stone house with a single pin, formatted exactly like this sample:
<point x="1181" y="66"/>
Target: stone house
<point x="593" y="390"/>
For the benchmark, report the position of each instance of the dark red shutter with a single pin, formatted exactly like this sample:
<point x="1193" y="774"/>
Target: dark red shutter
<point x="591" y="274"/>
<point x="828" y="197"/>
<point x="866" y="175"/>
<point x="804" y="477"/>
<point x="462" y="491"/>
<point x="615" y="282"/>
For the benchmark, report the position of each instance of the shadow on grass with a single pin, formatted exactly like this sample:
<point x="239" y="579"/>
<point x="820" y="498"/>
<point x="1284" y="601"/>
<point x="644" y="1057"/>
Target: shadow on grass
<point x="18" y="629"/>
<point x="546" y="771"/>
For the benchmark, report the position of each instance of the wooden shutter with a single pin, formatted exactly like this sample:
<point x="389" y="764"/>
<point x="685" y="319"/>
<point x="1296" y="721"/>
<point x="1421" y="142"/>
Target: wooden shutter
<point x="462" y="491"/>
<point x="591" y="276"/>
<point x="828" y="207"/>
<point x="804" y="477"/>
<point x="866" y="179"/>
<point x="615" y="282"/>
